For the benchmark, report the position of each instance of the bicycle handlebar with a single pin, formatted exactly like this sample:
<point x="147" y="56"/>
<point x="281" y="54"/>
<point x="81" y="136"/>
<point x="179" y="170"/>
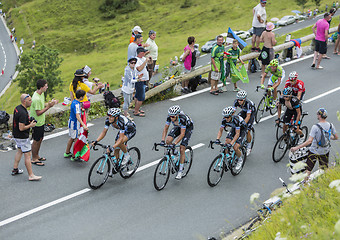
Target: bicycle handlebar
<point x="100" y="145"/>
<point x="219" y="143"/>
<point x="171" y="146"/>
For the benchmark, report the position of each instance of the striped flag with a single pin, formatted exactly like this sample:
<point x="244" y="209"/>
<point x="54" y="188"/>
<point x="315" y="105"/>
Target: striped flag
<point x="231" y="36"/>
<point x="81" y="148"/>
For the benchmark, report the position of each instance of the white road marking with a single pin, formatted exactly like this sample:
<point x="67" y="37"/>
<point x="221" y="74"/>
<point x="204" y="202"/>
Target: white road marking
<point x="203" y="55"/>
<point x="61" y="133"/>
<point x="47" y="205"/>
<point x="73" y="195"/>
<point x="5" y="58"/>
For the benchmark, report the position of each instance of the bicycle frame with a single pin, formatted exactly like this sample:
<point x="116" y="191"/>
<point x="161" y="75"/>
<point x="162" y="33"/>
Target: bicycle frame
<point x="169" y="155"/>
<point x="230" y="155"/>
<point x="113" y="160"/>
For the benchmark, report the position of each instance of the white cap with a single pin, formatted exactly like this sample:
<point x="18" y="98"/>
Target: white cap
<point x="137" y="28"/>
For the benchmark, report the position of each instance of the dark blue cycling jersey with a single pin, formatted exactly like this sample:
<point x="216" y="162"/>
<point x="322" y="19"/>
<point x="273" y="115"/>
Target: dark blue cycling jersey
<point x="247" y="107"/>
<point x="236" y="123"/>
<point x="184" y="121"/>
<point x="123" y="123"/>
<point x="292" y="104"/>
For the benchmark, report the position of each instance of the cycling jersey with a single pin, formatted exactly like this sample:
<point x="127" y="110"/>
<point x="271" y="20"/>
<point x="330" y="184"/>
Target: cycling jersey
<point x="279" y="73"/>
<point x="183" y="121"/>
<point x="236" y="123"/>
<point x="125" y="126"/>
<point x="247" y="107"/>
<point x="299" y="86"/>
<point x="293" y="103"/>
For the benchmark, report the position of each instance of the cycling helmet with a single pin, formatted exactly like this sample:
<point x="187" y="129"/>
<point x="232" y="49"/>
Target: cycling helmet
<point x="241" y="94"/>
<point x="113" y="112"/>
<point x="293" y="75"/>
<point x="174" y="110"/>
<point x="322" y="112"/>
<point x="274" y="63"/>
<point x="228" y="111"/>
<point x="287" y="91"/>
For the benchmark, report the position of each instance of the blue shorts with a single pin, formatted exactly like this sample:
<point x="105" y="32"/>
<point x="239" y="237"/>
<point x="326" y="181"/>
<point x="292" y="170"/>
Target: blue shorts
<point x="140" y="91"/>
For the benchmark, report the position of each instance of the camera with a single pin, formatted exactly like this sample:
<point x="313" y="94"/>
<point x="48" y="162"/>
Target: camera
<point x="32" y="119"/>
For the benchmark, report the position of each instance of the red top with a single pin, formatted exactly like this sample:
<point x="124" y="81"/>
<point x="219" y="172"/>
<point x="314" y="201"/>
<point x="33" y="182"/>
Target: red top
<point x="299" y="86"/>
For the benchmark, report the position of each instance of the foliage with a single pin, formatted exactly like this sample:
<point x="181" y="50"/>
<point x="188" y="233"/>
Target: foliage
<point x="186" y="4"/>
<point x="97" y="110"/>
<point x="301" y="3"/>
<point x="41" y="63"/>
<point x="317" y="2"/>
<point x="111" y="8"/>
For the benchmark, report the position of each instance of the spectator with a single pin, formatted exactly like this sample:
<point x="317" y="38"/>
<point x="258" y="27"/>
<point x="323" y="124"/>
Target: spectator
<point x="259" y="24"/>
<point x="132" y="49"/>
<point x="21" y="129"/>
<point x="320" y="30"/>
<point x="136" y="30"/>
<point x="78" y="83"/>
<point x="153" y="52"/>
<point x="217" y="66"/>
<point x="128" y="87"/>
<point x="268" y="39"/>
<point x="337" y="43"/>
<point x="37" y="110"/>
<point x="74" y="122"/>
<point x="187" y="60"/>
<point x="88" y="72"/>
<point x="33" y="44"/>
<point x="317" y="152"/>
<point x="326" y="8"/>
<point x="140" y="86"/>
<point x="234" y="54"/>
<point x="331" y="12"/>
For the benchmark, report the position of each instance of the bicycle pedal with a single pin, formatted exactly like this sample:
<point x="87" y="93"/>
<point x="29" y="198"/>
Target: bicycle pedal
<point x="173" y="171"/>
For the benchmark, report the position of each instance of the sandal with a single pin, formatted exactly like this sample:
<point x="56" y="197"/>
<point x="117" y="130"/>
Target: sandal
<point x="38" y="163"/>
<point x="326" y="57"/>
<point x="219" y="91"/>
<point x="42" y="159"/>
<point x="214" y="93"/>
<point x="139" y="114"/>
<point x="141" y="111"/>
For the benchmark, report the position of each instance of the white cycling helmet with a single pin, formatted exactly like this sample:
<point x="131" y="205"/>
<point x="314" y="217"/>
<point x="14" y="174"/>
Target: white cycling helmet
<point x="241" y="94"/>
<point x="228" y="111"/>
<point x="113" y="112"/>
<point x="293" y="75"/>
<point x="174" y="110"/>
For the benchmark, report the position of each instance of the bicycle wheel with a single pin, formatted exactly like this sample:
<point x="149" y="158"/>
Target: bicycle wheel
<point x="252" y="133"/>
<point x="235" y="167"/>
<point x="189" y="153"/>
<point x="280" y="148"/>
<point x="99" y="172"/>
<point x="162" y="173"/>
<point x="304" y="130"/>
<point x="130" y="168"/>
<point x="279" y="131"/>
<point x="216" y="171"/>
<point x="260" y="110"/>
<point x="274" y="110"/>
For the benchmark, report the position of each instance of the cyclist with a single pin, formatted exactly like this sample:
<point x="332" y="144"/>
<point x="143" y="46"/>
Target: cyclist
<point x="297" y="85"/>
<point x="237" y="133"/>
<point x="293" y="110"/>
<point x="277" y="75"/>
<point x="127" y="130"/>
<point x="247" y="113"/>
<point x="183" y="126"/>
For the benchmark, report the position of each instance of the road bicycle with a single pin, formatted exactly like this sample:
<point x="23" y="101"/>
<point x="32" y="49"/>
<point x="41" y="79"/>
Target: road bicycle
<point x="170" y="163"/>
<point x="279" y="125"/>
<point x="265" y="104"/>
<point x="266" y="210"/>
<point x="107" y="165"/>
<point x="288" y="140"/>
<point x="224" y="162"/>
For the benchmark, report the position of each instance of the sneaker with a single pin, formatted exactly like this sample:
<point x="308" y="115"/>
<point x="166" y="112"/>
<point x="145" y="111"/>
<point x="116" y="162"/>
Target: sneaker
<point x="239" y="163"/>
<point x="17" y="171"/>
<point x="179" y="175"/>
<point x="236" y="89"/>
<point x="224" y="89"/>
<point x="125" y="160"/>
<point x="320" y="67"/>
<point x="67" y="155"/>
<point x="248" y="151"/>
<point x="34" y="178"/>
<point x="313" y="65"/>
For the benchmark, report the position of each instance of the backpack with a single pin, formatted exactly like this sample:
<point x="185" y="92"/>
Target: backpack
<point x="325" y="140"/>
<point x="254" y="65"/>
<point x="4" y="117"/>
<point x="110" y="100"/>
<point x="193" y="59"/>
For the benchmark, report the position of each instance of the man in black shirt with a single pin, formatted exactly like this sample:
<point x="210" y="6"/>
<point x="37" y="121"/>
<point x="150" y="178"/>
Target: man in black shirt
<point x="21" y="129"/>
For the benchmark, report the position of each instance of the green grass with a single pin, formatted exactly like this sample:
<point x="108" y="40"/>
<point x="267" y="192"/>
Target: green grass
<point x="311" y="214"/>
<point x="83" y="37"/>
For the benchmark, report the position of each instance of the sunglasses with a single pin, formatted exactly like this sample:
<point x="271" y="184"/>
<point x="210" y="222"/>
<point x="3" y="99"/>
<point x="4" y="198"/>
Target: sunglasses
<point x="26" y="97"/>
<point x="172" y="116"/>
<point x="132" y="62"/>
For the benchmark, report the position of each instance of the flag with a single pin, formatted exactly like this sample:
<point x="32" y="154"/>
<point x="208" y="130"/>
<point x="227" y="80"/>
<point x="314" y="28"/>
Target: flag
<point x="231" y="36"/>
<point x="238" y="74"/>
<point x="297" y="44"/>
<point x="81" y="148"/>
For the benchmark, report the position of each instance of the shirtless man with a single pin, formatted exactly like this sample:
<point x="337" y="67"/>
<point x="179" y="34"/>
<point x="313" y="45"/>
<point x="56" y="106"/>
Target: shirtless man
<point x="268" y="39"/>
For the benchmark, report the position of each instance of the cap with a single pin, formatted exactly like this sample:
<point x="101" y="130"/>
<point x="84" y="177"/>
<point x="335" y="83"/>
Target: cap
<point x="141" y="49"/>
<point x="270" y="26"/>
<point x="86" y="69"/>
<point x="79" y="73"/>
<point x="137" y="28"/>
<point x="132" y="59"/>
<point x="263" y="1"/>
<point x="322" y="112"/>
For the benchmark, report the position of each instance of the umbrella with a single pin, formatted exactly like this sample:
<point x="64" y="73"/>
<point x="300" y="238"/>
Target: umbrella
<point x="296" y="11"/>
<point x="274" y="19"/>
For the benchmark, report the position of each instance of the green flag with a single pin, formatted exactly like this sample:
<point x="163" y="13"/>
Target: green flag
<point x="245" y="78"/>
<point x="238" y="75"/>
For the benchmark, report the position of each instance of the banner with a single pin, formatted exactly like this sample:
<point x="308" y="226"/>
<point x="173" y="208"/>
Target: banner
<point x="81" y="148"/>
<point x="238" y="75"/>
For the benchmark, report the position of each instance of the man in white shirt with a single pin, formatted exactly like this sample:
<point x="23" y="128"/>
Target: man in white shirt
<point x="259" y="24"/>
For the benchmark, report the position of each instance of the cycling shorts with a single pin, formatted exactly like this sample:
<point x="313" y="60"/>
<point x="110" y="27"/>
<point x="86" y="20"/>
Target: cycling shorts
<point x="129" y="133"/>
<point x="232" y="133"/>
<point x="274" y="78"/>
<point x="289" y="114"/>
<point x="176" y="131"/>
<point x="250" y="123"/>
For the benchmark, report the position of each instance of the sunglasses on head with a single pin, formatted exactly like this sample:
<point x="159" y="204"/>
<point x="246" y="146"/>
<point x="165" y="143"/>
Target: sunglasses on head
<point x="26" y="96"/>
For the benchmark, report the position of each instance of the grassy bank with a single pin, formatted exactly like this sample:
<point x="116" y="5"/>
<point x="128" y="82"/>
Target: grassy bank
<point x="83" y="37"/>
<point x="312" y="214"/>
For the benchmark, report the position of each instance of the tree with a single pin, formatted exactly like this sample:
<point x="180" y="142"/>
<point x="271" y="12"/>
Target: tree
<point x="41" y="63"/>
<point x="302" y="3"/>
<point x="317" y="3"/>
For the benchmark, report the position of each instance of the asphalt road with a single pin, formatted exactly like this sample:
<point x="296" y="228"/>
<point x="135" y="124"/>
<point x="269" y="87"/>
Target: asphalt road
<point x="132" y="208"/>
<point x="8" y="57"/>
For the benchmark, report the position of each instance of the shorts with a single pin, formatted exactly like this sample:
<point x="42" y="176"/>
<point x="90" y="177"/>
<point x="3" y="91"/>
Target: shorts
<point x="176" y="131"/>
<point x="288" y="115"/>
<point x="23" y="144"/>
<point x="129" y="134"/>
<point x="38" y="133"/>
<point x="215" y="75"/>
<point x="127" y="100"/>
<point x="257" y="31"/>
<point x="73" y="133"/>
<point x="250" y="123"/>
<point x="232" y="133"/>
<point x="311" y="160"/>
<point x="271" y="79"/>
<point x="321" y="47"/>
<point x="266" y="55"/>
<point x="140" y="91"/>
